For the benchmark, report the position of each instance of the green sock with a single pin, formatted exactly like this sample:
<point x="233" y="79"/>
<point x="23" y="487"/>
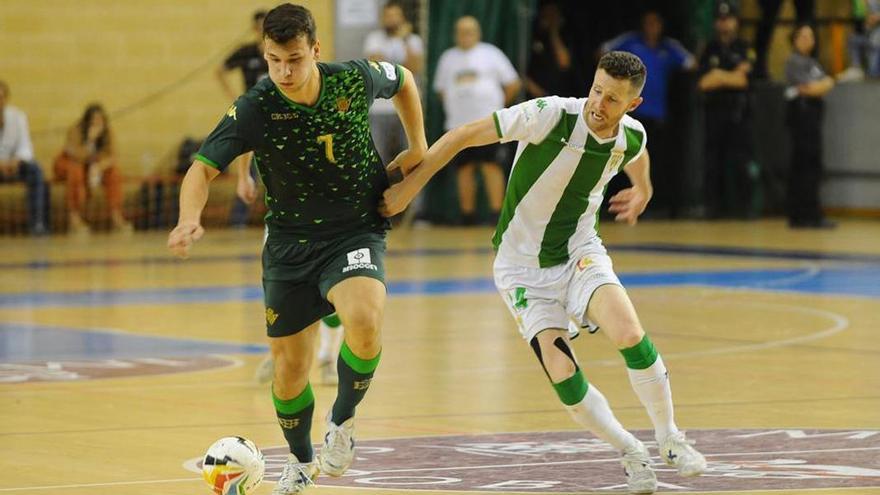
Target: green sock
<point x="295" y="418"/>
<point x="641" y="355"/>
<point x="355" y="374"/>
<point x="573" y="389"/>
<point x="332" y="321"/>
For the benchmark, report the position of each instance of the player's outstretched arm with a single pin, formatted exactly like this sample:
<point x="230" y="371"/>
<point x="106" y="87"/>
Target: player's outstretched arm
<point x="193" y="196"/>
<point x="629" y="203"/>
<point x="409" y="109"/>
<point x="477" y="133"/>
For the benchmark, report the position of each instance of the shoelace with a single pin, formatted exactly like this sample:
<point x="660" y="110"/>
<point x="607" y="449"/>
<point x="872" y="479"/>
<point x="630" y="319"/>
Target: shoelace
<point x="297" y="472"/>
<point x="337" y="437"/>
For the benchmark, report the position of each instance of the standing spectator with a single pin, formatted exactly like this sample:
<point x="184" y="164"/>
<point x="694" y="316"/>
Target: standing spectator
<point x="395" y="43"/>
<point x="248" y="59"/>
<point x="864" y="42"/>
<point x="88" y="160"/>
<point x="808" y="84"/>
<point x="724" y="80"/>
<point x="662" y="56"/>
<point x="769" y="12"/>
<point x="551" y="68"/>
<point x="475" y="79"/>
<point x="17" y="160"/>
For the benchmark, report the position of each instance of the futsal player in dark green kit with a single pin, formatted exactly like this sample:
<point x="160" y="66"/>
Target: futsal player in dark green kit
<point x="325" y="247"/>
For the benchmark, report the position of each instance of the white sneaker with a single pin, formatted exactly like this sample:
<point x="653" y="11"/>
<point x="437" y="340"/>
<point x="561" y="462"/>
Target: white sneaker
<point x="296" y="477"/>
<point x="851" y="74"/>
<point x="265" y="370"/>
<point x="640" y="478"/>
<point x="338" y="450"/>
<point x="328" y="372"/>
<point x="677" y="451"/>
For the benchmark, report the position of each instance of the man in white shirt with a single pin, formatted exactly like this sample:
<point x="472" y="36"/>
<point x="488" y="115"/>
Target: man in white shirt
<point x="551" y="268"/>
<point x="17" y="160"/>
<point x="395" y="43"/>
<point x="474" y="79"/>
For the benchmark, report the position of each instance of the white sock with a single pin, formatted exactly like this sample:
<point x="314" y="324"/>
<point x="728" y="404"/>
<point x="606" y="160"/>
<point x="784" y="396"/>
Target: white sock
<point x="330" y="342"/>
<point x="594" y="414"/>
<point x="652" y="386"/>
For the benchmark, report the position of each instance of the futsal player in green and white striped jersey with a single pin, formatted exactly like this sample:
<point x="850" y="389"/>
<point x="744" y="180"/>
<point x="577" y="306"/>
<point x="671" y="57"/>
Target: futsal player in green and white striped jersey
<point x="551" y="267"/>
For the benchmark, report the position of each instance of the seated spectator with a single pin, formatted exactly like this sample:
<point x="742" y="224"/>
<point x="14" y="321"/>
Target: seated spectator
<point x="87" y="161"/>
<point x="864" y="43"/>
<point x="17" y="161"/>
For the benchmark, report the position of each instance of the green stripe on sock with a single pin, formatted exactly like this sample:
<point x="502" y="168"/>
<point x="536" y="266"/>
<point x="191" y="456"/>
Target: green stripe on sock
<point x="332" y="321"/>
<point x="572" y="390"/>
<point x="362" y="366"/>
<point x="641" y="355"/>
<point x="297" y="404"/>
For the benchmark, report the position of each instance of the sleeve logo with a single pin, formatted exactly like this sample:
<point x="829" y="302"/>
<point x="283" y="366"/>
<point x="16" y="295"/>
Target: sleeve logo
<point x="231" y="113"/>
<point x="390" y="72"/>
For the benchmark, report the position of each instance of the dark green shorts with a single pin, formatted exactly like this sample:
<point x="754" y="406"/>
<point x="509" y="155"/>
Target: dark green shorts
<point x="297" y="277"/>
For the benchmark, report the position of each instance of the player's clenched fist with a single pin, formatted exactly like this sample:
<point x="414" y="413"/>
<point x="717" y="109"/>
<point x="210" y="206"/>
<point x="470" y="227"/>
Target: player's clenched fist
<point x="182" y="237"/>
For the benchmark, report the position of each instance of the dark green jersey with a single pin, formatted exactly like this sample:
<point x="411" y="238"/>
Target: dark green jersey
<point x="322" y="174"/>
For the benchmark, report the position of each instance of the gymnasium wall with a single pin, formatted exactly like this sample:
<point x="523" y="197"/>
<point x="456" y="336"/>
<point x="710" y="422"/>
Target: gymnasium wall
<point x="150" y="63"/>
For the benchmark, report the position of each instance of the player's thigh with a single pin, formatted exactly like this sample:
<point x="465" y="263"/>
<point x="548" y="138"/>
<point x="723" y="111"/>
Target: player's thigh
<point x="353" y="281"/>
<point x="359" y="302"/>
<point x="611" y="309"/>
<point x="293" y="355"/>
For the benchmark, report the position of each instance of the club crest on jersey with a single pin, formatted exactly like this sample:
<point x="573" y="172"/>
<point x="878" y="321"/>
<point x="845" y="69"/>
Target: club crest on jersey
<point x="343" y="104"/>
<point x="615" y="160"/>
<point x="583" y="263"/>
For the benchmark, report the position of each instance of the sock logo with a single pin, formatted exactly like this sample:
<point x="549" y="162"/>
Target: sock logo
<point x="288" y="423"/>
<point x="359" y="259"/>
<point x="362" y="385"/>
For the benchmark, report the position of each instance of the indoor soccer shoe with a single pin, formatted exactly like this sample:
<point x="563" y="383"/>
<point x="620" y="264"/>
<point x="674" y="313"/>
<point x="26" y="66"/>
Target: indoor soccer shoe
<point x="265" y="370"/>
<point x="296" y="477"/>
<point x="640" y="478"/>
<point x="328" y="372"/>
<point x="338" y="450"/>
<point x="677" y="451"/>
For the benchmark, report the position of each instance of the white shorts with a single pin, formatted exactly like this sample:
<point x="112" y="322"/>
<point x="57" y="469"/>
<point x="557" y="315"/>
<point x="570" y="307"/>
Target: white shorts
<point x="554" y="297"/>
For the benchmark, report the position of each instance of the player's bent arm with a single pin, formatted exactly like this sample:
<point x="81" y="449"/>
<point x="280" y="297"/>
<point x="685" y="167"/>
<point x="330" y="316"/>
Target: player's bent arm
<point x="194" y="192"/>
<point x="409" y="109"/>
<point x="639" y="173"/>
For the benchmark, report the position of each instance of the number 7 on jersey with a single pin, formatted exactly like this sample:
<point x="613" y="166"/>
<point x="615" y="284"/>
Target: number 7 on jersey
<point x="327" y="139"/>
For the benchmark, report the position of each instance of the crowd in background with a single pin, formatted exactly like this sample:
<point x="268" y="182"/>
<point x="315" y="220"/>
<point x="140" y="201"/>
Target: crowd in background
<point x="474" y="78"/>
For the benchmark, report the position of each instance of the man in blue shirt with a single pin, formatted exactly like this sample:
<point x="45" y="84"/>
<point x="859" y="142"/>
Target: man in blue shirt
<point x="662" y="56"/>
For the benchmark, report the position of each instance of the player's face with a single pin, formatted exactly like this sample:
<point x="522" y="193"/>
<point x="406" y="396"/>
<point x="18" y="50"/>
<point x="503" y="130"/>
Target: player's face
<point x="609" y="100"/>
<point x="291" y="64"/>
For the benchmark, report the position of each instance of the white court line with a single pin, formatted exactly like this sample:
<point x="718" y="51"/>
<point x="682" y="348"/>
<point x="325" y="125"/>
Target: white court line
<point x="87" y="485"/>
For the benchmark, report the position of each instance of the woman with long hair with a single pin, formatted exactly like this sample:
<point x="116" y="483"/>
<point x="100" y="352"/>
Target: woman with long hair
<point x="87" y="161"/>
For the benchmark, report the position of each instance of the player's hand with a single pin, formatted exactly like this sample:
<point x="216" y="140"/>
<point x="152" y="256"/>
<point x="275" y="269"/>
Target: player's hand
<point x="396" y="198"/>
<point x="407" y="160"/>
<point x="246" y="189"/>
<point x="628" y="204"/>
<point x="182" y="237"/>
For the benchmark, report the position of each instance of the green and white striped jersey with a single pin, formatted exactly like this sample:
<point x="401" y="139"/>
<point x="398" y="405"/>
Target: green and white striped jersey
<point x="558" y="179"/>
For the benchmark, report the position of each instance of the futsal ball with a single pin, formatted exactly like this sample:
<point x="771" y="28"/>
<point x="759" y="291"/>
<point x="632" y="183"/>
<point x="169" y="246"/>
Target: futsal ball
<point x="233" y="466"/>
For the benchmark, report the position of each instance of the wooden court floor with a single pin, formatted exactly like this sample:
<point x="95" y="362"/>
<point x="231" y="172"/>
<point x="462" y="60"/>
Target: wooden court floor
<point x="119" y="365"/>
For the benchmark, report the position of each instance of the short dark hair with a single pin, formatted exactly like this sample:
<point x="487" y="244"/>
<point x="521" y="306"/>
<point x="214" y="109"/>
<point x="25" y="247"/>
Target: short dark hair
<point x="624" y="65"/>
<point x="287" y="21"/>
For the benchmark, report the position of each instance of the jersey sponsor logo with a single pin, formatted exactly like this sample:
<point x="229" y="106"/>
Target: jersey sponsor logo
<point x="576" y="462"/>
<point x="271" y="316"/>
<point x="390" y="72"/>
<point x="282" y="116"/>
<point x="583" y="263"/>
<point x="359" y="259"/>
<point x="343" y="104"/>
<point x="231" y="113"/>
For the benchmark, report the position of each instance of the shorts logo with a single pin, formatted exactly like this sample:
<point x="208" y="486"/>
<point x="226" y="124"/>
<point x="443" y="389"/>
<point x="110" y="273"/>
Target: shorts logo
<point x="271" y="316"/>
<point x="583" y="263"/>
<point x="518" y="298"/>
<point x="359" y="259"/>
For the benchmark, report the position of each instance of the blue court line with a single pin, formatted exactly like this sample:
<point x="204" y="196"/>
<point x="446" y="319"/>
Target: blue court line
<point x="785" y="254"/>
<point x="26" y="342"/>
<point x="854" y="281"/>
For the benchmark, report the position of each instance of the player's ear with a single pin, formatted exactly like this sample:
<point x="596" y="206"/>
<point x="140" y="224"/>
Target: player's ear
<point x="635" y="103"/>
<point x="317" y="50"/>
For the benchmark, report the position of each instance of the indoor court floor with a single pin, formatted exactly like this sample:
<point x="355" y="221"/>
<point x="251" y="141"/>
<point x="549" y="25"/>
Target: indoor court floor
<point x="120" y="365"/>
